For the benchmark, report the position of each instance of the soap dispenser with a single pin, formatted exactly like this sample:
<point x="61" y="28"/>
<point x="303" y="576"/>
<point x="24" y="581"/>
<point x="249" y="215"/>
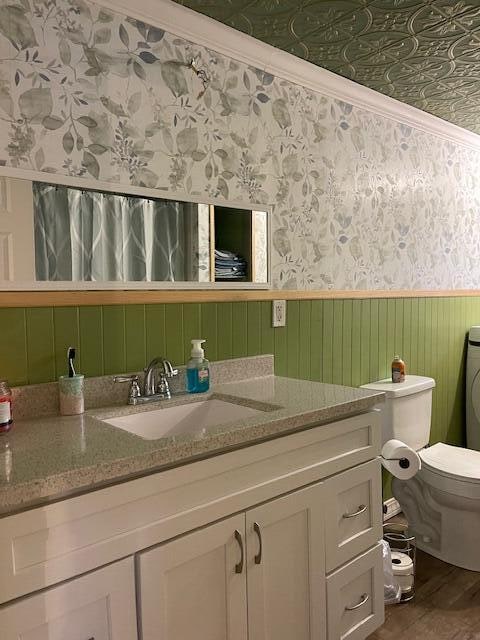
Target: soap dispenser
<point x="198" y="373"/>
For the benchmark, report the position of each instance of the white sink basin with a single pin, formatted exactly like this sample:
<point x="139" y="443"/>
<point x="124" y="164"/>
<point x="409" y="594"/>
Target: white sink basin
<point x="194" y="417"/>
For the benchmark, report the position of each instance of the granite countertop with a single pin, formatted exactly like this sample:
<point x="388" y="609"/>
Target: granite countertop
<point x="47" y="458"/>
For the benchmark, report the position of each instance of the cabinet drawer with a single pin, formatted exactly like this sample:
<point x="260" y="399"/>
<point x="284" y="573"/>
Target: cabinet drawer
<point x="100" y="605"/>
<point x="353" y="513"/>
<point x="355" y="597"/>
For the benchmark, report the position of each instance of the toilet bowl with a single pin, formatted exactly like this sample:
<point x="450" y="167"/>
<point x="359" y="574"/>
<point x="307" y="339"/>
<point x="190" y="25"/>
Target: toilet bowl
<point x="442" y="504"/>
<point x="442" y="501"/>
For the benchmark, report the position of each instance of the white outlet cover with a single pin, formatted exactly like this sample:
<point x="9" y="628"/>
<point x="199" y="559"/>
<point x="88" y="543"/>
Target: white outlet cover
<point x="279" y="313"/>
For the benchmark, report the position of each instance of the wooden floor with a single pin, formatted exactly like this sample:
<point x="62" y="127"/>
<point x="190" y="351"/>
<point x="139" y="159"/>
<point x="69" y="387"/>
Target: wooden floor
<point x="446" y="605"/>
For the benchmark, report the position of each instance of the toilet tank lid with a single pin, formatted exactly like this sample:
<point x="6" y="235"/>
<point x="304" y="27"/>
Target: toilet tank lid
<point x="412" y="384"/>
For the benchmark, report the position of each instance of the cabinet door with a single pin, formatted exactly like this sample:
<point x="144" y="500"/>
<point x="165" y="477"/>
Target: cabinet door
<point x="195" y="586"/>
<point x="285" y="568"/>
<point x="97" y="606"/>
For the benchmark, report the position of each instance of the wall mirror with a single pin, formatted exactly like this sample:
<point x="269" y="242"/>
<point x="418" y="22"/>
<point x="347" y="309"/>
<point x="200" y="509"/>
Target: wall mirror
<point x="57" y="236"/>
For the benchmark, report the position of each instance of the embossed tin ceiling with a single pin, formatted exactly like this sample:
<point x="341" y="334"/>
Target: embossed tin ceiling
<point x="426" y="53"/>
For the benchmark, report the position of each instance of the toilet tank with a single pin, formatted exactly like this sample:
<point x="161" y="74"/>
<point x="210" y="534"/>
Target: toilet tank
<point x="407" y="412"/>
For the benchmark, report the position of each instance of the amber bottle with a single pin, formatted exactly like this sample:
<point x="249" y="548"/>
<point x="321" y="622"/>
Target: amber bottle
<point x="398" y="370"/>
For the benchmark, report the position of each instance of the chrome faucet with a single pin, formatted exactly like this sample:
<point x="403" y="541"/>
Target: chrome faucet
<point x="155" y="384"/>
<point x="151" y="385"/>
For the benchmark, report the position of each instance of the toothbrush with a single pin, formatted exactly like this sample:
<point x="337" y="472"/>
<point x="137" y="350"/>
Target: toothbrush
<point x="71" y="358"/>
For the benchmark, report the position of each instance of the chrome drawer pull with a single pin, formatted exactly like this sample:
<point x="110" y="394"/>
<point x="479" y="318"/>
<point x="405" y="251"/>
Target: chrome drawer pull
<point x="361" y="509"/>
<point x="365" y="598"/>
<point x="239" y="539"/>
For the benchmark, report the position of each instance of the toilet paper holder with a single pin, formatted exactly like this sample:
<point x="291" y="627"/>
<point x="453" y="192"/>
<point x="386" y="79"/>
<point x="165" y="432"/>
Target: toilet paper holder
<point x="403" y="463"/>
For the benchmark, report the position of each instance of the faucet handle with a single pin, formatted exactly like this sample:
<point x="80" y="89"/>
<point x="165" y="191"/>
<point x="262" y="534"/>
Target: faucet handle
<point x="169" y="370"/>
<point x="132" y="378"/>
<point x="134" y="388"/>
<point x="163" y="388"/>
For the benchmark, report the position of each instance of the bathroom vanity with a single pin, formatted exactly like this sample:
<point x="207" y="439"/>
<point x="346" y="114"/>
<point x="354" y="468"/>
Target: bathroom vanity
<point x="268" y="526"/>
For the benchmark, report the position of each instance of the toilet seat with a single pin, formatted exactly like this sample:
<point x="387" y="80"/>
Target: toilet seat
<point x="455" y="470"/>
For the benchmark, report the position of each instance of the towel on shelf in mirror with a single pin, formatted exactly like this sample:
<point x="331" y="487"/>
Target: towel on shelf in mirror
<point x="229" y="265"/>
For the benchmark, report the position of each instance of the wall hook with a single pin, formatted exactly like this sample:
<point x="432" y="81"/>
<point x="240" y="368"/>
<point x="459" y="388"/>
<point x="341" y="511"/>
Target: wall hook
<point x="201" y="74"/>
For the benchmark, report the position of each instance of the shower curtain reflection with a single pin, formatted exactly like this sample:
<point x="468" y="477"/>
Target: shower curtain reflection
<point x="97" y="236"/>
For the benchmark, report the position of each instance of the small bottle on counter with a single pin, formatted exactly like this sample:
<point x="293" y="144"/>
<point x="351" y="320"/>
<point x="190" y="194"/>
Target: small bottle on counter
<point x="6" y="419"/>
<point x="398" y="370"/>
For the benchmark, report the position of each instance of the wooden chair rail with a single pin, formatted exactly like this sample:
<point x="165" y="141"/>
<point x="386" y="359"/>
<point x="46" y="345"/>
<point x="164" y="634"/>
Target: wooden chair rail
<point x="89" y="298"/>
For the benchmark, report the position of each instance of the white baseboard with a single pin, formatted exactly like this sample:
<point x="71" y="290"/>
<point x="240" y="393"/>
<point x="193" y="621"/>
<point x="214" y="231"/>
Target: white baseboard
<point x="393" y="507"/>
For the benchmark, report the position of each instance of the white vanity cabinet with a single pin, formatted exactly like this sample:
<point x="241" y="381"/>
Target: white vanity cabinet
<point x="97" y="606"/>
<point x="197" y="586"/>
<point x="274" y="541"/>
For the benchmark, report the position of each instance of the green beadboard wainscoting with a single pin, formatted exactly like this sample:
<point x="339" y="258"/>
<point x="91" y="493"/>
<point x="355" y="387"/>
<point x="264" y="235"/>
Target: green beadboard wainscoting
<point x="340" y="341"/>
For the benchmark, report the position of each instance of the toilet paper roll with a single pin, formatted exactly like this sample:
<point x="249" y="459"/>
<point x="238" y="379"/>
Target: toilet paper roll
<point x="402" y="567"/>
<point x="402" y="461"/>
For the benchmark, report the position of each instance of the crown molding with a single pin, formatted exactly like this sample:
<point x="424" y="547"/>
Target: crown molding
<point x="205" y="31"/>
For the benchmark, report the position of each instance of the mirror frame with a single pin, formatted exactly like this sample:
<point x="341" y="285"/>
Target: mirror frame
<point x="99" y="185"/>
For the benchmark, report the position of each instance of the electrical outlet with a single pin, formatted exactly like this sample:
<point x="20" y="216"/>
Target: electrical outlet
<point x="279" y="313"/>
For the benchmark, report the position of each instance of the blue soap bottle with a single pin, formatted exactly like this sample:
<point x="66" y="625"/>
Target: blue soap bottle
<point x="198" y="372"/>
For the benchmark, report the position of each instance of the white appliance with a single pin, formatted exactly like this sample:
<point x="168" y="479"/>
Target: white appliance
<point x="442" y="501"/>
<point x="473" y="389"/>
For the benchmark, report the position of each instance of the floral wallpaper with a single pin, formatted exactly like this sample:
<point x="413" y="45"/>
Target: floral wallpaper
<point x="360" y="202"/>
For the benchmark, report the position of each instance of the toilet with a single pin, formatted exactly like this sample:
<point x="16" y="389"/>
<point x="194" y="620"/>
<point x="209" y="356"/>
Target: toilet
<point x="442" y="501"/>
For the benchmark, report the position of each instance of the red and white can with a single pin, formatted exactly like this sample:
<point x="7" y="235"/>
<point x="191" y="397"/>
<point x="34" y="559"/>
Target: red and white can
<point x="6" y="418"/>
